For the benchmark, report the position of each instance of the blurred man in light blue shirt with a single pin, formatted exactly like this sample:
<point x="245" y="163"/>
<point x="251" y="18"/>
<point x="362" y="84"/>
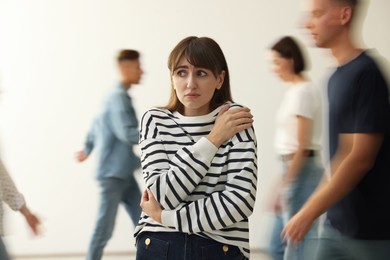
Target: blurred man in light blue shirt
<point x="113" y="134"/>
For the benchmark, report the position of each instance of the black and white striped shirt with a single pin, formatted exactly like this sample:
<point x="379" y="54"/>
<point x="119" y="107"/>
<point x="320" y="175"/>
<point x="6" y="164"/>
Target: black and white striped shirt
<point x="203" y="190"/>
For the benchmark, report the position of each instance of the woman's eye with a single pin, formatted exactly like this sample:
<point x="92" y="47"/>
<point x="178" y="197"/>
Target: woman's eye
<point x="201" y="73"/>
<point x="181" y="73"/>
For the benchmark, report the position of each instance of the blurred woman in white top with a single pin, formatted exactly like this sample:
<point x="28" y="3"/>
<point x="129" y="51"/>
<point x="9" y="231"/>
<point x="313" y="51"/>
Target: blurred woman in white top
<point x="297" y="142"/>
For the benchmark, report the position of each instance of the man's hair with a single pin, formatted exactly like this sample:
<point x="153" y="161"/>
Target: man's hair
<point x="127" y="55"/>
<point x="351" y="3"/>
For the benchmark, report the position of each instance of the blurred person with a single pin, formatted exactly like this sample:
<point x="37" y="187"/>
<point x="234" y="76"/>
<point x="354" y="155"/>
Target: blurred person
<point x="199" y="160"/>
<point x="113" y="134"/>
<point x="358" y="223"/>
<point x="15" y="200"/>
<point x="297" y="141"/>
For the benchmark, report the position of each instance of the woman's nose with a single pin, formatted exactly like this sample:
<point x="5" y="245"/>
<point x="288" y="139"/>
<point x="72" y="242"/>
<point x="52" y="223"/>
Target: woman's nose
<point x="191" y="81"/>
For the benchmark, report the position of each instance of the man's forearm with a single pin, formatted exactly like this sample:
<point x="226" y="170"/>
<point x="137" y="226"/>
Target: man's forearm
<point x="348" y="174"/>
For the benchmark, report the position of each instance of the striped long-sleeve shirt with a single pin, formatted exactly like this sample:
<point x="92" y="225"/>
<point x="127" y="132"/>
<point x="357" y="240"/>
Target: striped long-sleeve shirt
<point x="203" y="190"/>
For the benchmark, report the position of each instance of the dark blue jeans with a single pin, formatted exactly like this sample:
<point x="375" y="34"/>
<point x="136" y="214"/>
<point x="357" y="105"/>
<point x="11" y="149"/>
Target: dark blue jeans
<point x="182" y="246"/>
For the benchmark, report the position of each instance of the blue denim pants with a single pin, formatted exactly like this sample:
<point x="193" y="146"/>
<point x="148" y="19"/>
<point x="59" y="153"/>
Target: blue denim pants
<point x="182" y="246"/>
<point x="336" y="246"/>
<point x="3" y="251"/>
<point x="299" y="191"/>
<point x="113" y="192"/>
<point x="277" y="246"/>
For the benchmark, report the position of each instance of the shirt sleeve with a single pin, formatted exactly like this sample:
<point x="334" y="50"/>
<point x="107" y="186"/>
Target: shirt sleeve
<point x="90" y="140"/>
<point x="8" y="191"/>
<point x="172" y="180"/>
<point x="371" y="109"/>
<point x="123" y="118"/>
<point x="221" y="209"/>
<point x="304" y="103"/>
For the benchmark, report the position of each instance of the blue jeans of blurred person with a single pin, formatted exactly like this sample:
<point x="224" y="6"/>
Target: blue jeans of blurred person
<point x="276" y="245"/>
<point x="297" y="194"/>
<point x="3" y="250"/>
<point x="300" y="190"/>
<point x="114" y="191"/>
<point x="336" y="246"/>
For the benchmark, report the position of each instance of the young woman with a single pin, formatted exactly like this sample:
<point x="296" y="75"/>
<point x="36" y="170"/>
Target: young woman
<point x="15" y="200"/>
<point x="297" y="141"/>
<point x="199" y="162"/>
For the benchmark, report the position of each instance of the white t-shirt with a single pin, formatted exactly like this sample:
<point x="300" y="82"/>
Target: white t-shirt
<point x="301" y="99"/>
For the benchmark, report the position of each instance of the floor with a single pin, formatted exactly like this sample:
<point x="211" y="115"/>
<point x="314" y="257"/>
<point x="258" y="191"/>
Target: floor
<point x="255" y="256"/>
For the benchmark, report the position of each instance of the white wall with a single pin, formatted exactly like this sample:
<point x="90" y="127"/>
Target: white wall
<point x="57" y="63"/>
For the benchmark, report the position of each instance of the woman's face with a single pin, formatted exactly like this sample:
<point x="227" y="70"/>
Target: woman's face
<point x="195" y="87"/>
<point x="283" y="68"/>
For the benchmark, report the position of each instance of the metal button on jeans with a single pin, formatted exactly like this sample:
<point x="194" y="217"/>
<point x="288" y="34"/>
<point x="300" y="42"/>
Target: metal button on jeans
<point x="147" y="242"/>
<point x="225" y="249"/>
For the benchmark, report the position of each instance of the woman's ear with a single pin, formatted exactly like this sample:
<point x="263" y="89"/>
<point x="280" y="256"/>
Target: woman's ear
<point x="221" y="78"/>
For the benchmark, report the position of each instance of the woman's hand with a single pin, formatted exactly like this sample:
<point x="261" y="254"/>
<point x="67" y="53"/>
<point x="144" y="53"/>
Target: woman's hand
<point x="32" y="220"/>
<point x="150" y="205"/>
<point x="228" y="123"/>
<point x="277" y="205"/>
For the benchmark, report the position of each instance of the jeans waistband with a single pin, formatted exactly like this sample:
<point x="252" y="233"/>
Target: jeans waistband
<point x="185" y="246"/>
